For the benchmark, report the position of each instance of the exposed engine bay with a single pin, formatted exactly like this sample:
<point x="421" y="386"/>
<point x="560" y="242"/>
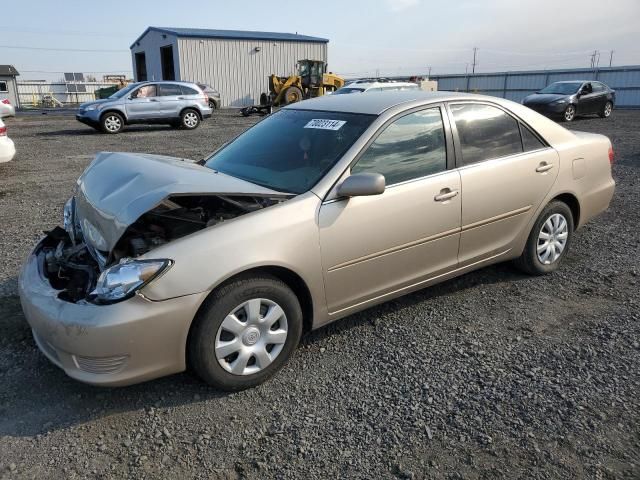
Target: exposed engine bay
<point x="73" y="266"/>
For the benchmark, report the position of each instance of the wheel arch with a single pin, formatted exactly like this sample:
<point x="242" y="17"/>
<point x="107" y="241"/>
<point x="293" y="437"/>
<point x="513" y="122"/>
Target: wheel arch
<point x="114" y="110"/>
<point x="573" y="203"/>
<point x="284" y="274"/>
<point x="195" y="109"/>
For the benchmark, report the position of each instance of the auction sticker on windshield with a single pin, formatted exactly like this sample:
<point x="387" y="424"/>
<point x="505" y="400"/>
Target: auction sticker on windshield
<point x="325" y="124"/>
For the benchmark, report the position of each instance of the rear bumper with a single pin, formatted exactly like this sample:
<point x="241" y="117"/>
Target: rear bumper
<point x="7" y="149"/>
<point x="597" y="201"/>
<point x="109" y="345"/>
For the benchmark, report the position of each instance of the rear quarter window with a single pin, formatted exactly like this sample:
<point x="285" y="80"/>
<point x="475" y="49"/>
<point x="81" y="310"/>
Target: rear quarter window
<point x="188" y="90"/>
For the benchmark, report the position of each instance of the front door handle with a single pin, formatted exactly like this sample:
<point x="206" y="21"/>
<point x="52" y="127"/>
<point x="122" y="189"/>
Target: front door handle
<point x="445" y="194"/>
<point x="154" y="100"/>
<point x="544" y="167"/>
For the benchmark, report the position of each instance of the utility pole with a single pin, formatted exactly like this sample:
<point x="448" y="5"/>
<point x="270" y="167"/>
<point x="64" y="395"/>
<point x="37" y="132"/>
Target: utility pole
<point x="475" y="51"/>
<point x="610" y="58"/>
<point x="429" y="71"/>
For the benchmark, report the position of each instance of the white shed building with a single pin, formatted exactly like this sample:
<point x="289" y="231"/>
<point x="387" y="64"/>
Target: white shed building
<point x="236" y="63"/>
<point x="8" y="84"/>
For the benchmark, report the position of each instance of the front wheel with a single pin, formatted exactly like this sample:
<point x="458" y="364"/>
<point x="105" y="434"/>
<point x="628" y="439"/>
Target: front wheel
<point x="548" y="241"/>
<point x="569" y="113"/>
<point x="606" y="110"/>
<point x="245" y="332"/>
<point x="112" y="122"/>
<point x="189" y="119"/>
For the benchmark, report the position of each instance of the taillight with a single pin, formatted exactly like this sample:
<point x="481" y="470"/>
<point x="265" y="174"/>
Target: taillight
<point x="6" y="101"/>
<point x="611" y="154"/>
<point x="3" y="131"/>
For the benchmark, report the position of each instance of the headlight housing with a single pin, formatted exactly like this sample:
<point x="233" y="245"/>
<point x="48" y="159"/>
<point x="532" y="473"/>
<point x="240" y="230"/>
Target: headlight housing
<point x="96" y="106"/>
<point x="68" y="221"/>
<point x="123" y="280"/>
<point x="559" y="102"/>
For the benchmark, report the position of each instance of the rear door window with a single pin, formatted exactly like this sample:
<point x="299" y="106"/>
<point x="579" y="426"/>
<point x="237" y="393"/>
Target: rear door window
<point x="485" y="132"/>
<point x="169" y="90"/>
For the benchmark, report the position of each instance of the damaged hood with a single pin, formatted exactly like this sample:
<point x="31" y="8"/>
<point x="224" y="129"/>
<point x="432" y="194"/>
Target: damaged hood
<point x="117" y="188"/>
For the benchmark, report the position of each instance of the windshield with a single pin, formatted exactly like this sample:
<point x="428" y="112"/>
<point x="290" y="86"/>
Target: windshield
<point x="291" y="150"/>
<point x="562" y="88"/>
<point x="342" y="90"/>
<point x="124" y="91"/>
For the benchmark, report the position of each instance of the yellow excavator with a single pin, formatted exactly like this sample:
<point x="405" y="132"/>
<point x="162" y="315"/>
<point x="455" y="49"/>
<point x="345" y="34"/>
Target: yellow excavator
<point x="311" y="81"/>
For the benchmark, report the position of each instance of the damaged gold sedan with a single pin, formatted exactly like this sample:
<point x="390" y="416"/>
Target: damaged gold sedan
<point x="323" y="209"/>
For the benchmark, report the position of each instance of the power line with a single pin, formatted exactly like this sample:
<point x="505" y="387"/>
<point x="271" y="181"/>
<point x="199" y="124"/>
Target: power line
<point x="63" y="49"/>
<point x="39" y="31"/>
<point x="86" y="71"/>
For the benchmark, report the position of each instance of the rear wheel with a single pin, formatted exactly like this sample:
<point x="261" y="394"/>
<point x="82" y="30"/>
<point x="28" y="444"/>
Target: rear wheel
<point x="189" y="119"/>
<point x="292" y="95"/>
<point x="212" y="105"/>
<point x="245" y="332"/>
<point x="548" y="241"/>
<point x="569" y="113"/>
<point x="112" y="122"/>
<point x="606" y="110"/>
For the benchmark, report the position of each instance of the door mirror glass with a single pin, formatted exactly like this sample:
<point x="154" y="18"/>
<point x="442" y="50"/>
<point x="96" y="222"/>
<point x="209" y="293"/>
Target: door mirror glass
<point x="362" y="184"/>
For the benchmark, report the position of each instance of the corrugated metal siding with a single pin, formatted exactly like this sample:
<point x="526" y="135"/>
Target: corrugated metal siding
<point x="517" y="85"/>
<point x="237" y="70"/>
<point x="12" y="93"/>
<point x="150" y="44"/>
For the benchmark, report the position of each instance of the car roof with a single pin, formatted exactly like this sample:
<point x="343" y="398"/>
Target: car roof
<point x="381" y="101"/>
<point x="575" y="81"/>
<point x="366" y="85"/>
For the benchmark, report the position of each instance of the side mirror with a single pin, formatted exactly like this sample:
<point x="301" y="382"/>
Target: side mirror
<point x="362" y="184"/>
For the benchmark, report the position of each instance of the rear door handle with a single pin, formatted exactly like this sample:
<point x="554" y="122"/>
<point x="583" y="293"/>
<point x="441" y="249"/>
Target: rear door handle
<point x="153" y="100"/>
<point x="445" y="194"/>
<point x="544" y="167"/>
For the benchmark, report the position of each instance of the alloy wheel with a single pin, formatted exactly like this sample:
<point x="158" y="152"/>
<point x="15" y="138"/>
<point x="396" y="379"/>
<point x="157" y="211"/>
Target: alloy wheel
<point x="607" y="109"/>
<point x="112" y="123"/>
<point x="569" y="113"/>
<point x="190" y="120"/>
<point x="251" y="336"/>
<point x="552" y="239"/>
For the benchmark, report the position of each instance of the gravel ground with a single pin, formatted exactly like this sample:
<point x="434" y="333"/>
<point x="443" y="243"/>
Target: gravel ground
<point x="492" y="375"/>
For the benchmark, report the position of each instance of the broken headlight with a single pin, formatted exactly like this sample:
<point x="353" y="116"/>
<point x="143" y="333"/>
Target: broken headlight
<point x="68" y="214"/>
<point x="127" y="277"/>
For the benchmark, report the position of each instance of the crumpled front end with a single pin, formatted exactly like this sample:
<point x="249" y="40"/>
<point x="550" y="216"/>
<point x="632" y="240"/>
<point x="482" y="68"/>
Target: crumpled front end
<point x="110" y="345"/>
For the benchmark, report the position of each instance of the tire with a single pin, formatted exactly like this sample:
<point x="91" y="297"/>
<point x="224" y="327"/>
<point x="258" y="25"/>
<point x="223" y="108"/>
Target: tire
<point x="212" y="105"/>
<point x="292" y="95"/>
<point x="569" y="114"/>
<point x="112" y="123"/>
<point x="189" y="119"/>
<point x="533" y="262"/>
<point x="245" y="343"/>
<point x="606" y="110"/>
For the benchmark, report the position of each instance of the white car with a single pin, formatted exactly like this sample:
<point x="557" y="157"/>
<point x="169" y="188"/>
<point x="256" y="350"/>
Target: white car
<point x="360" y="86"/>
<point x="7" y="148"/>
<point x="6" y="109"/>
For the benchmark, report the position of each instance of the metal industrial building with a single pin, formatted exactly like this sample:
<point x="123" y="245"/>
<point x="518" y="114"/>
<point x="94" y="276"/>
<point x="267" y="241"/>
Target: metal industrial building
<point x="237" y="63"/>
<point x="8" y="85"/>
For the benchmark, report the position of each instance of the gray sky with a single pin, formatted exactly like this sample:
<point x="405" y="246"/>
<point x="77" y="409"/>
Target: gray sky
<point x="386" y="37"/>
